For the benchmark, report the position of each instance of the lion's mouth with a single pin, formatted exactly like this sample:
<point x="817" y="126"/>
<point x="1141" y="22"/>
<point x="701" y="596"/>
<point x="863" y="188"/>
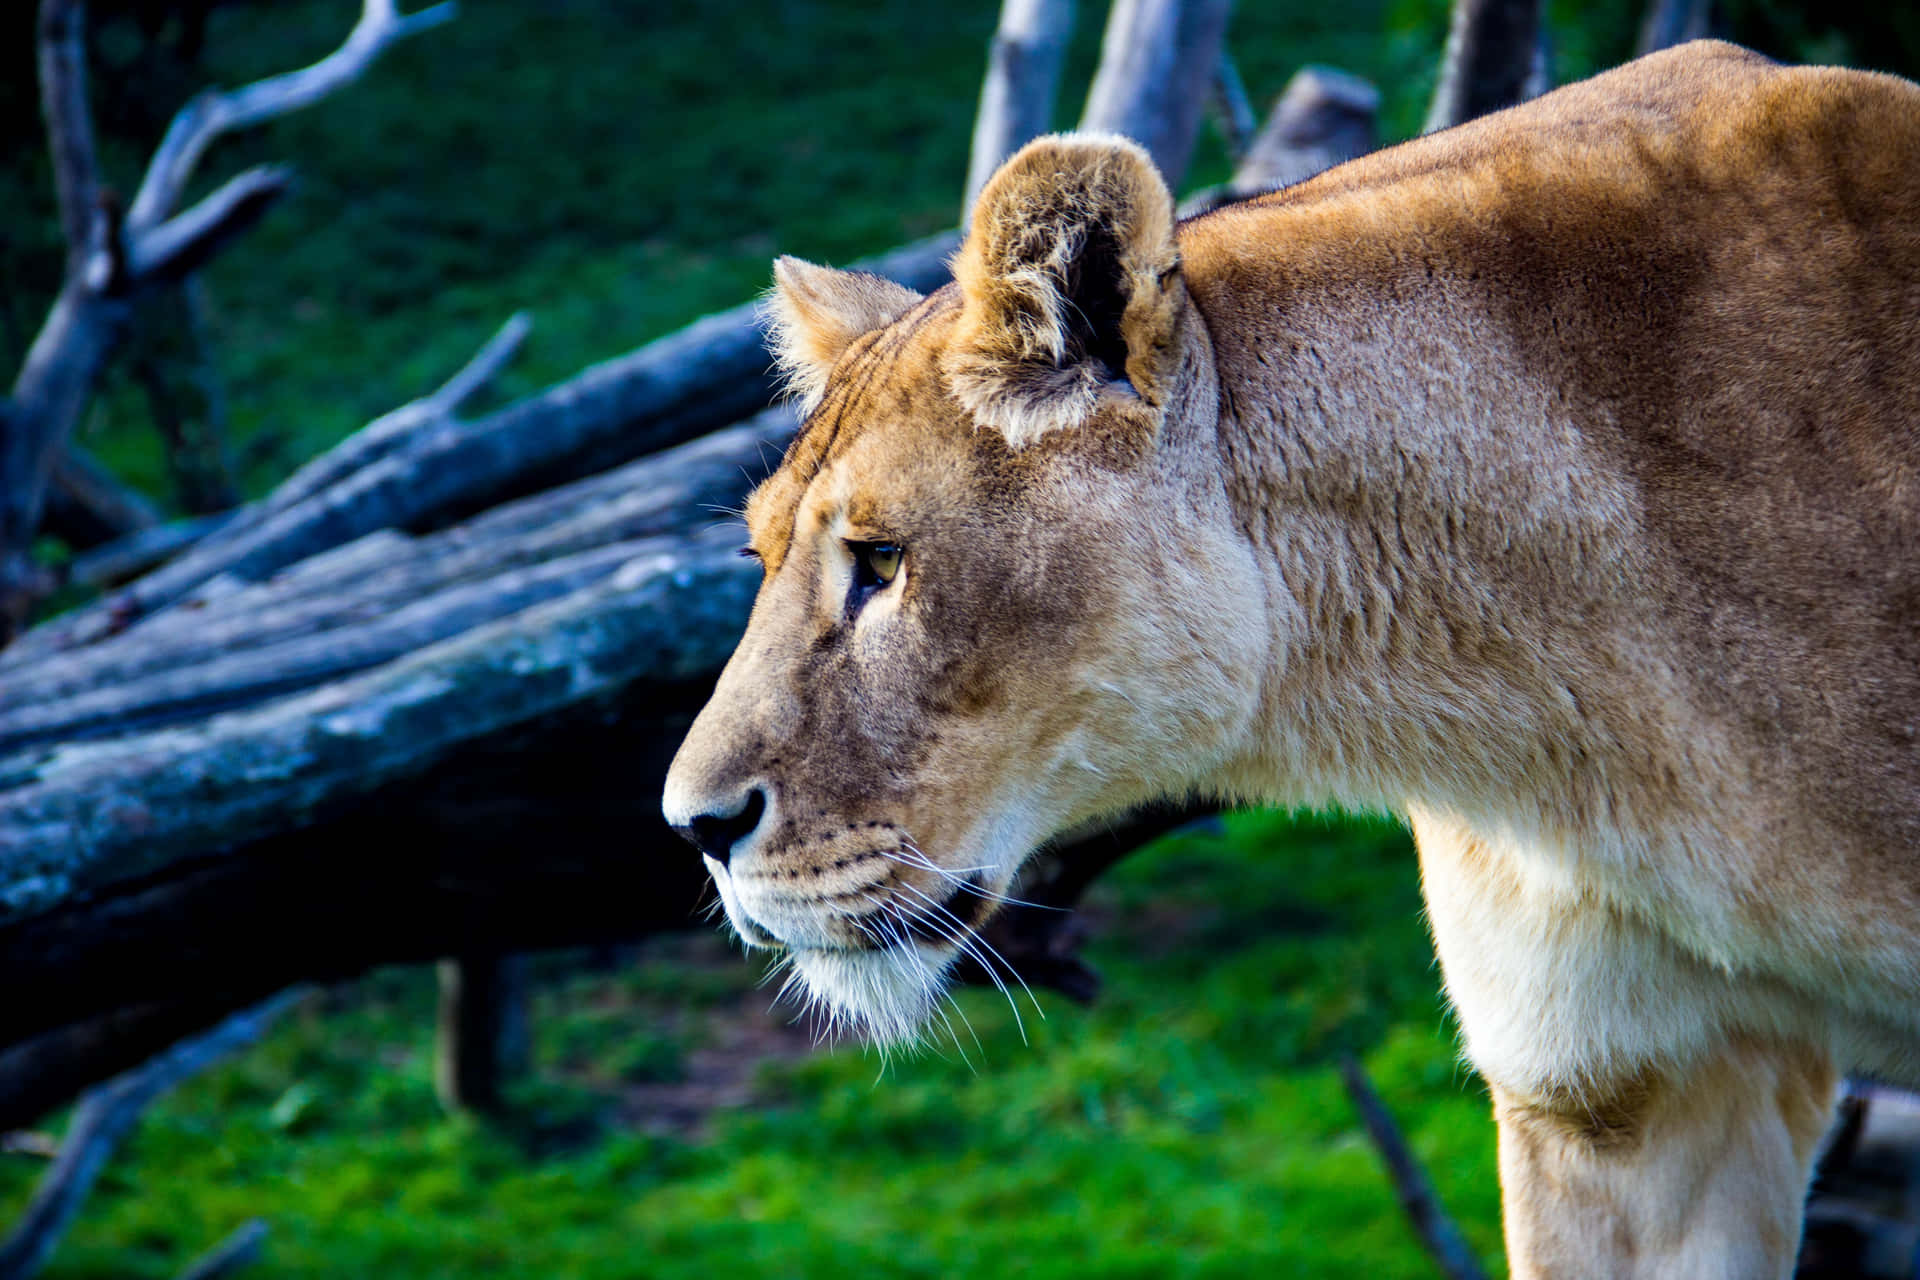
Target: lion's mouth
<point x="953" y="916"/>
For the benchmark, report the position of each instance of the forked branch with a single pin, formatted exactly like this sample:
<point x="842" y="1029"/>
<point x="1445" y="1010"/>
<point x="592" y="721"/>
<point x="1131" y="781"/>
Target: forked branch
<point x="214" y="113"/>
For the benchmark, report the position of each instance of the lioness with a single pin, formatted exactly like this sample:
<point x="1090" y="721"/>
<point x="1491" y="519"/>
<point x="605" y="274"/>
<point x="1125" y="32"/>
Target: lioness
<point x="1554" y="481"/>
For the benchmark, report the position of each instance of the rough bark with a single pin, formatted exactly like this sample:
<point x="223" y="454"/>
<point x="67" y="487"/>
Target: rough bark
<point x="1493" y="60"/>
<point x="381" y="596"/>
<point x="1156" y="62"/>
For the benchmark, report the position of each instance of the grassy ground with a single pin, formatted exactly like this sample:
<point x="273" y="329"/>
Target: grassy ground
<point x="1187" y="1125"/>
<point x="618" y="169"/>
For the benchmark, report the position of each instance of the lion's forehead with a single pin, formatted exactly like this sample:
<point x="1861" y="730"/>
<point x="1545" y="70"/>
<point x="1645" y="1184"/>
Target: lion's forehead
<point x="885" y="423"/>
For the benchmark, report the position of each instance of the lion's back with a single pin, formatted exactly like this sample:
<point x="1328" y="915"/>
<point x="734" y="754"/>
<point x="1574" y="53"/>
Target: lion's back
<point x="1708" y="265"/>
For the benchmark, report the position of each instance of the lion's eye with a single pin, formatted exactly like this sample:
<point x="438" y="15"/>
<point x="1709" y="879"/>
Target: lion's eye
<point x="882" y="560"/>
<point x="875" y="564"/>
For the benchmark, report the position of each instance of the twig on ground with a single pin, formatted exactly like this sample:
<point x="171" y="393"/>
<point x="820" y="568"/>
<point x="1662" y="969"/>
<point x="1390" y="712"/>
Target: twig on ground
<point x="105" y="1116"/>
<point x="1441" y="1238"/>
<point x="236" y="1251"/>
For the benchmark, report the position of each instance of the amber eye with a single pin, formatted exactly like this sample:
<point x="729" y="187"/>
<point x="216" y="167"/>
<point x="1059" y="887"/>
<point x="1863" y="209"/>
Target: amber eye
<point x="882" y="560"/>
<point x="875" y="564"/>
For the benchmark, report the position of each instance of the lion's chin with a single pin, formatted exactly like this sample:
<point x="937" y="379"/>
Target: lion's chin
<point x="885" y="995"/>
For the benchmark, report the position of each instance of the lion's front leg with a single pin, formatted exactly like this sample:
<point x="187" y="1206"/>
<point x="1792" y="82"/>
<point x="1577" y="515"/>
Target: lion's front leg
<point x="1700" y="1174"/>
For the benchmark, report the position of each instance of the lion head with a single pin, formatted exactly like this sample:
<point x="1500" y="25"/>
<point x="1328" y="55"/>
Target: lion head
<point x="1003" y="593"/>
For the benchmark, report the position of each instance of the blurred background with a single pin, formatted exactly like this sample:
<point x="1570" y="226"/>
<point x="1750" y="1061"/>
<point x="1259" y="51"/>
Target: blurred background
<point x="618" y="170"/>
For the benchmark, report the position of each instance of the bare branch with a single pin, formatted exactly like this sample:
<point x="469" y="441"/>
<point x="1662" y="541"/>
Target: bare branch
<point x="105" y="1117"/>
<point x="86" y="506"/>
<point x="1493" y="56"/>
<point x="214" y="113"/>
<point x="1232" y="112"/>
<point x="1156" y="60"/>
<point x="63" y="102"/>
<point x="709" y="374"/>
<point x="392" y="429"/>
<point x="486" y="365"/>
<point x="1441" y="1238"/>
<point x="135" y="553"/>
<point x="1016" y="96"/>
<point x="110" y="257"/>
<point x="181" y="245"/>
<point x="1671" y="22"/>
<point x="238" y="1250"/>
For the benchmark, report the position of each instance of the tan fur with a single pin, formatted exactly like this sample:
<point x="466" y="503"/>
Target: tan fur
<point x="815" y="313"/>
<point x="1551" y="480"/>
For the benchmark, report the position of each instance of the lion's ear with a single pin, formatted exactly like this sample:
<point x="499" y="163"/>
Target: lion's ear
<point x="815" y="313"/>
<point x="1071" y="286"/>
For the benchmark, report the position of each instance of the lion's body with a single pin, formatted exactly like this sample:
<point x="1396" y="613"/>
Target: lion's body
<point x="1554" y="480"/>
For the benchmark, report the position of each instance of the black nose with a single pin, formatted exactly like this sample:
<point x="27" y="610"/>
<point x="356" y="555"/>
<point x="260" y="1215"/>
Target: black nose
<point x="715" y="836"/>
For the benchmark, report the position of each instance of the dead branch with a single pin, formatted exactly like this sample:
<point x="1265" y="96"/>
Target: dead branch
<point x="112" y="563"/>
<point x="1440" y="1237"/>
<point x="238" y="1250"/>
<point x="104" y="1117"/>
<point x="388" y="432"/>
<point x="214" y="113"/>
<point x="45" y="1071"/>
<point x="183" y="244"/>
<point x="1493" y="58"/>
<point x="481" y="1035"/>
<point x="1325" y="117"/>
<point x="111" y="259"/>
<point x="1039" y="936"/>
<point x="87" y="507"/>
<point x="421" y="644"/>
<point x="85" y="814"/>
<point x="63" y="103"/>
<point x="1016" y="95"/>
<point x="1156" y="61"/>
<point x="1671" y="22"/>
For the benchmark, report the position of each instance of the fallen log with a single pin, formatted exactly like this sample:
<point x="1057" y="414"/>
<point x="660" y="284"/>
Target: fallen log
<point x="415" y="704"/>
<point x="710" y="374"/>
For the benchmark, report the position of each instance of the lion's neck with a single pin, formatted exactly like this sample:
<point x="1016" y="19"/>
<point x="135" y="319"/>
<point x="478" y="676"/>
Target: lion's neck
<point x="1445" y="559"/>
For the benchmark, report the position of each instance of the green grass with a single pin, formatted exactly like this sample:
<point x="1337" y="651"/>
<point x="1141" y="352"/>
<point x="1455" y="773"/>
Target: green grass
<point x="618" y="169"/>
<point x="1188" y="1124"/>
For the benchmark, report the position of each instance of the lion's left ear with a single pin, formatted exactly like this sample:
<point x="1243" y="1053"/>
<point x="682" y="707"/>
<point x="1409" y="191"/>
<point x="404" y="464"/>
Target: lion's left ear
<point x="815" y="313"/>
<point x="1071" y="287"/>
